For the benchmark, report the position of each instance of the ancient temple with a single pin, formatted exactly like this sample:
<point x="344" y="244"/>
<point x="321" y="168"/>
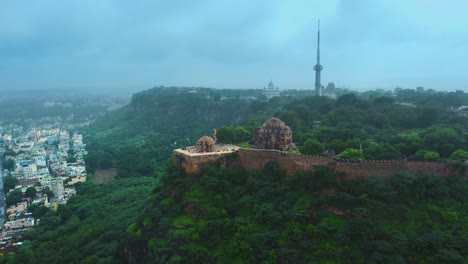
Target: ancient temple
<point x="205" y="144"/>
<point x="273" y="134"/>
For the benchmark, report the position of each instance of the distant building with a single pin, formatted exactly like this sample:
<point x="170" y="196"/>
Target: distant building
<point x="330" y="89"/>
<point x="406" y="104"/>
<point x="18" y="224"/>
<point x="20" y="207"/>
<point x="271" y="91"/>
<point x="462" y="110"/>
<point x="77" y="179"/>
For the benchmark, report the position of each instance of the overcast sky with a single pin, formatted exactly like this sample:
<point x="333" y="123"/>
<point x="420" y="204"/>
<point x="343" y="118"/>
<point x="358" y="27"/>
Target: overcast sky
<point x="138" y="44"/>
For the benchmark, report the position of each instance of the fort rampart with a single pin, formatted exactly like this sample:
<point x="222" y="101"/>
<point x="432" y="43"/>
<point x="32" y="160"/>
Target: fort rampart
<point x="194" y="162"/>
<point x="255" y="159"/>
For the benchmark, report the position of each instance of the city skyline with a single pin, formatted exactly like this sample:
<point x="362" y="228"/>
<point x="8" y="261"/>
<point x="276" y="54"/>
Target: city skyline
<point x="234" y="44"/>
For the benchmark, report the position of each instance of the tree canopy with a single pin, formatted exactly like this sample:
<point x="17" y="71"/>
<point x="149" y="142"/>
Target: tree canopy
<point x="234" y="216"/>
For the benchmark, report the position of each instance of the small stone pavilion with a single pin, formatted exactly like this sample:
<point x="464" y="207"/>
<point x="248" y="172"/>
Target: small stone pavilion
<point x="205" y="144"/>
<point x="273" y="134"/>
<point x="204" y="153"/>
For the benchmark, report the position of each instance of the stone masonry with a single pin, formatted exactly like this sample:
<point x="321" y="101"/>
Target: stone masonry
<point x="273" y="134"/>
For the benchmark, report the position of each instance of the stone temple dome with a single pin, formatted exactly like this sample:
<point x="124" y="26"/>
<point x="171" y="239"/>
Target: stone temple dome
<point x="273" y="134"/>
<point x="205" y="144"/>
<point x="274" y="122"/>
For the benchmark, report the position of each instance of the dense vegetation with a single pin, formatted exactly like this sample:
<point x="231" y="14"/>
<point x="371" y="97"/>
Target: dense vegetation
<point x="139" y="138"/>
<point x="236" y="216"/>
<point x="89" y="228"/>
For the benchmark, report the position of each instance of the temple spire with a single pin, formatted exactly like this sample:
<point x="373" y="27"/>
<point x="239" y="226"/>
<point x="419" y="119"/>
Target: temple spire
<point x="318" y="68"/>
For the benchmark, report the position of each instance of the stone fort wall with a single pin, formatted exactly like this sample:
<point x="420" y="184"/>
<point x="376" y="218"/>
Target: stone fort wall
<point x="193" y="163"/>
<point x="255" y="159"/>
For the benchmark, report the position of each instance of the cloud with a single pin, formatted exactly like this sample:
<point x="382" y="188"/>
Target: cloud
<point x="231" y="44"/>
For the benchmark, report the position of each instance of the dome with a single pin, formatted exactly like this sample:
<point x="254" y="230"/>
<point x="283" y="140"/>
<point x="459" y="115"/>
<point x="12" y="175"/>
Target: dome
<point x="271" y="86"/>
<point x="206" y="140"/>
<point x="273" y="122"/>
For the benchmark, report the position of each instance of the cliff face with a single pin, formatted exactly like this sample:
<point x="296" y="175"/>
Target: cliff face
<point x="157" y="121"/>
<point x="198" y="106"/>
<point x="193" y="164"/>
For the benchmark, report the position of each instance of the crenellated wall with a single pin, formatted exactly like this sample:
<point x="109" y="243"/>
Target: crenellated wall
<point x="255" y="159"/>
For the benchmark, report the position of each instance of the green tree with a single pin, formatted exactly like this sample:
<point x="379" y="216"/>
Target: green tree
<point x="13" y="197"/>
<point x="443" y="140"/>
<point x="49" y="193"/>
<point x="427" y="155"/>
<point x="351" y="154"/>
<point x="106" y="164"/>
<point x="431" y="155"/>
<point x="337" y="145"/>
<point x="459" y="155"/>
<point x="385" y="151"/>
<point x="9" y="164"/>
<point x="312" y="147"/>
<point x="229" y="134"/>
<point x="38" y="211"/>
<point x="10" y="152"/>
<point x="30" y="192"/>
<point x="9" y="182"/>
<point x="402" y="183"/>
<point x="407" y="145"/>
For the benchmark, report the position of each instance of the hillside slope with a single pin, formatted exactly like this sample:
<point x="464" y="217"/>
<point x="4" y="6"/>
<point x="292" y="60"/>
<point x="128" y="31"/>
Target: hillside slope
<point x="140" y="137"/>
<point x="261" y="216"/>
<point x="237" y="216"/>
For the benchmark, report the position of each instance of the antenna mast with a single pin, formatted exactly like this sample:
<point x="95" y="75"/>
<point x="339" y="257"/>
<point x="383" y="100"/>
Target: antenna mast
<point x="318" y="68"/>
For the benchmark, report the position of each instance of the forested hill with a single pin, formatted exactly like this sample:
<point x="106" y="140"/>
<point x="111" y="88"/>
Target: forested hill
<point x="236" y="216"/>
<point x="407" y="123"/>
<point x="140" y="137"/>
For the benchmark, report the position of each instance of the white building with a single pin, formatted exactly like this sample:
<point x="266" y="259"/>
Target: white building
<point x="271" y="91"/>
<point x="20" y="223"/>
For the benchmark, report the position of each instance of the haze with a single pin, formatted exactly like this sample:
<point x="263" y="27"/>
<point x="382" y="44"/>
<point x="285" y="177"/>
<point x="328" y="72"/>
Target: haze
<point x="134" y="45"/>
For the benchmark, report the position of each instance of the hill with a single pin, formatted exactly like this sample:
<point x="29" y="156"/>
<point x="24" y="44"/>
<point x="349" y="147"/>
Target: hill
<point x="237" y="216"/>
<point x="140" y="137"/>
<point x="263" y="216"/>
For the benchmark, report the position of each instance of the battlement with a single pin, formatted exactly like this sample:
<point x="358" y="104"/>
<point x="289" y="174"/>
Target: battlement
<point x="255" y="159"/>
<point x="293" y="162"/>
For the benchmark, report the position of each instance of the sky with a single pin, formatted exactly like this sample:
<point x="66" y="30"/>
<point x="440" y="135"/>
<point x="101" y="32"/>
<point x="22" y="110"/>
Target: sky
<point x="139" y="44"/>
